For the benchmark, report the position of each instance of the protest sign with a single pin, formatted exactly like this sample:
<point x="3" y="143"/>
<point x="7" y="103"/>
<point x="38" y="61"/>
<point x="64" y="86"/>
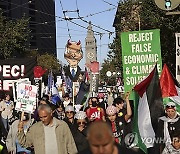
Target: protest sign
<point x="26" y="98"/>
<point x="140" y="52"/>
<point x="178" y="56"/>
<point x="15" y="84"/>
<point x="13" y="69"/>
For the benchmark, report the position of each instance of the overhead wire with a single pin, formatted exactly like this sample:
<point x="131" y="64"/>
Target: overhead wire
<point x="65" y="19"/>
<point x="88" y="21"/>
<point x="33" y="9"/>
<point x="108" y="3"/>
<point x="17" y="7"/>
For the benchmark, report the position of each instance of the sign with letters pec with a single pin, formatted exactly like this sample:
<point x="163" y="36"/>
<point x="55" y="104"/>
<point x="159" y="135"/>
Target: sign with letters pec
<point x="14" y="69"/>
<point x="140" y="52"/>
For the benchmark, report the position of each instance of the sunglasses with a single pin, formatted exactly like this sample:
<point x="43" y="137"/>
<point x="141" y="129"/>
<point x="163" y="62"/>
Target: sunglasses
<point x="79" y="123"/>
<point x="170" y="106"/>
<point x="71" y="112"/>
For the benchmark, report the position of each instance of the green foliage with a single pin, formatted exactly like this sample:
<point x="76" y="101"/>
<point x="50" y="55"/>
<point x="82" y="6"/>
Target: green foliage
<point x="143" y="15"/>
<point x="49" y="61"/>
<point x="13" y="37"/>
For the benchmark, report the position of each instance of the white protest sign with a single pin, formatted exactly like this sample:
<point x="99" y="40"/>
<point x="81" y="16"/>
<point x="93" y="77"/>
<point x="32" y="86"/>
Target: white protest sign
<point x="26" y="98"/>
<point x="178" y="56"/>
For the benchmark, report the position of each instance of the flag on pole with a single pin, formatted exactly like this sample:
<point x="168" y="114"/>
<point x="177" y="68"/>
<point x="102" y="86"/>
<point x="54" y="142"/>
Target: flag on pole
<point x="83" y="90"/>
<point x="147" y="109"/>
<point x="50" y="82"/>
<point x="170" y="88"/>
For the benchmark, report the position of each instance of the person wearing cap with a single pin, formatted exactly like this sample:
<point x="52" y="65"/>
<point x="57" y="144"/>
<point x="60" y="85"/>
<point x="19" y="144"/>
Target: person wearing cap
<point x="115" y="124"/>
<point x="81" y="134"/>
<point x="168" y="124"/>
<point x="69" y="119"/>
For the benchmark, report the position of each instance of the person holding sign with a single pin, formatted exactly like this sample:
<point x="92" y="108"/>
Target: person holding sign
<point x="12" y="143"/>
<point x="48" y="135"/>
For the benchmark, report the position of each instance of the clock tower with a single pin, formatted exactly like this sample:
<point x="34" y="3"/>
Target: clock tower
<point x="90" y="46"/>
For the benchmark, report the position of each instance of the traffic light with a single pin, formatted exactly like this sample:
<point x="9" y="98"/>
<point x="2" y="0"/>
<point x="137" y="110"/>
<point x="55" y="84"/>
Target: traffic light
<point x="167" y="4"/>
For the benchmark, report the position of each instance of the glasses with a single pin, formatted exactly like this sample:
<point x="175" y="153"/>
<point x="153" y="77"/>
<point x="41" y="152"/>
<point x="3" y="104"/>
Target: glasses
<point x="83" y="123"/>
<point x="71" y="112"/>
<point x="170" y="106"/>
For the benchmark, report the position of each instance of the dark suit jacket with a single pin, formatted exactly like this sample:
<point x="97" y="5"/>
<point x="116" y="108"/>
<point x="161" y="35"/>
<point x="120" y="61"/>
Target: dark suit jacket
<point x="68" y="73"/>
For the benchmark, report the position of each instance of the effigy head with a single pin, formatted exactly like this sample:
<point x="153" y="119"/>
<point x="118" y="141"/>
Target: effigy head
<point x="73" y="53"/>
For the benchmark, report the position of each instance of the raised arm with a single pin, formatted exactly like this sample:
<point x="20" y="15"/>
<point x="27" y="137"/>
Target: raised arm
<point x="129" y="110"/>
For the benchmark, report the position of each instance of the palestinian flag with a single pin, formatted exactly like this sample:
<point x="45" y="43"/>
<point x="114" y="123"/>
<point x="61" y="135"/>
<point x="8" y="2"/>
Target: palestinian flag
<point x="83" y="90"/>
<point x="148" y="107"/>
<point x="170" y="88"/>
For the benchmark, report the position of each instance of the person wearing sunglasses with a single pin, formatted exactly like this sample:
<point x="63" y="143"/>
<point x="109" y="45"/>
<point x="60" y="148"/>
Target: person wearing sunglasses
<point x="82" y="122"/>
<point x="167" y="125"/>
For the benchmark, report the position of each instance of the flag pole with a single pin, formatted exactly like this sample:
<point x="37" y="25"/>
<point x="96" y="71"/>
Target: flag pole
<point x="73" y="94"/>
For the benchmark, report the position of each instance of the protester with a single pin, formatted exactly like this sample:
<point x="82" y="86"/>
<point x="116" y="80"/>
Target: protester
<point x="3" y="135"/>
<point x="95" y="113"/>
<point x="123" y="112"/>
<point x="6" y="108"/>
<point x="69" y="115"/>
<point x="116" y="125"/>
<point x="89" y="104"/>
<point x="82" y="122"/>
<point x="167" y="125"/>
<point x="12" y="143"/>
<point x="67" y="100"/>
<point x="47" y="136"/>
<point x="43" y="100"/>
<point x="101" y="141"/>
<point x="101" y="102"/>
<point x="110" y="98"/>
<point x="59" y="112"/>
<point x="174" y="147"/>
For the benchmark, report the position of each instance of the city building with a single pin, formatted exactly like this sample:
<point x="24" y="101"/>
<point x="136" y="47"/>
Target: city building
<point x="41" y="14"/>
<point x="90" y="46"/>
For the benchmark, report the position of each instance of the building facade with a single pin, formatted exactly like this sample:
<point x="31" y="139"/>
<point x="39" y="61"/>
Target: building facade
<point x="90" y="46"/>
<point x="41" y="14"/>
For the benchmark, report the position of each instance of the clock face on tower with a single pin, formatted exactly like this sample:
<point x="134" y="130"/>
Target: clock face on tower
<point x="90" y="55"/>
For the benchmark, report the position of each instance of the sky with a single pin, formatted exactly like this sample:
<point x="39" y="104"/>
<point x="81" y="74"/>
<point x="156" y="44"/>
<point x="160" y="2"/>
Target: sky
<point x="86" y="8"/>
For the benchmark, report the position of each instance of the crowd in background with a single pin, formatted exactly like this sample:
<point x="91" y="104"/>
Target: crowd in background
<point x="99" y="127"/>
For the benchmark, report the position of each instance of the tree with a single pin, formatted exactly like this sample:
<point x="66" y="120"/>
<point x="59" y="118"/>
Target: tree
<point x="13" y="37"/>
<point x="143" y="15"/>
<point x="50" y="62"/>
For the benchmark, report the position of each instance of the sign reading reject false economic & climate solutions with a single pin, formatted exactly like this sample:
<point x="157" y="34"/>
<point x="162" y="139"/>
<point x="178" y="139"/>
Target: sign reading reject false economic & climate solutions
<point x="140" y="52"/>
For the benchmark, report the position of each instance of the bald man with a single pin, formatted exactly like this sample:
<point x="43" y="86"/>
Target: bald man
<point x="101" y="141"/>
<point x="50" y="135"/>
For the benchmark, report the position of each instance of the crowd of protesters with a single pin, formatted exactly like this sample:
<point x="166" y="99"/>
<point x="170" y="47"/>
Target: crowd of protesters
<point x="98" y="128"/>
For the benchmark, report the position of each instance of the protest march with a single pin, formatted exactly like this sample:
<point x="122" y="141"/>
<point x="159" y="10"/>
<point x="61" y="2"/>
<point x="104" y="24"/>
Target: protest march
<point x="74" y="113"/>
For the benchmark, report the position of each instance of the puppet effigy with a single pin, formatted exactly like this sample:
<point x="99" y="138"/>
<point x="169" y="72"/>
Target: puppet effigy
<point x="73" y="55"/>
